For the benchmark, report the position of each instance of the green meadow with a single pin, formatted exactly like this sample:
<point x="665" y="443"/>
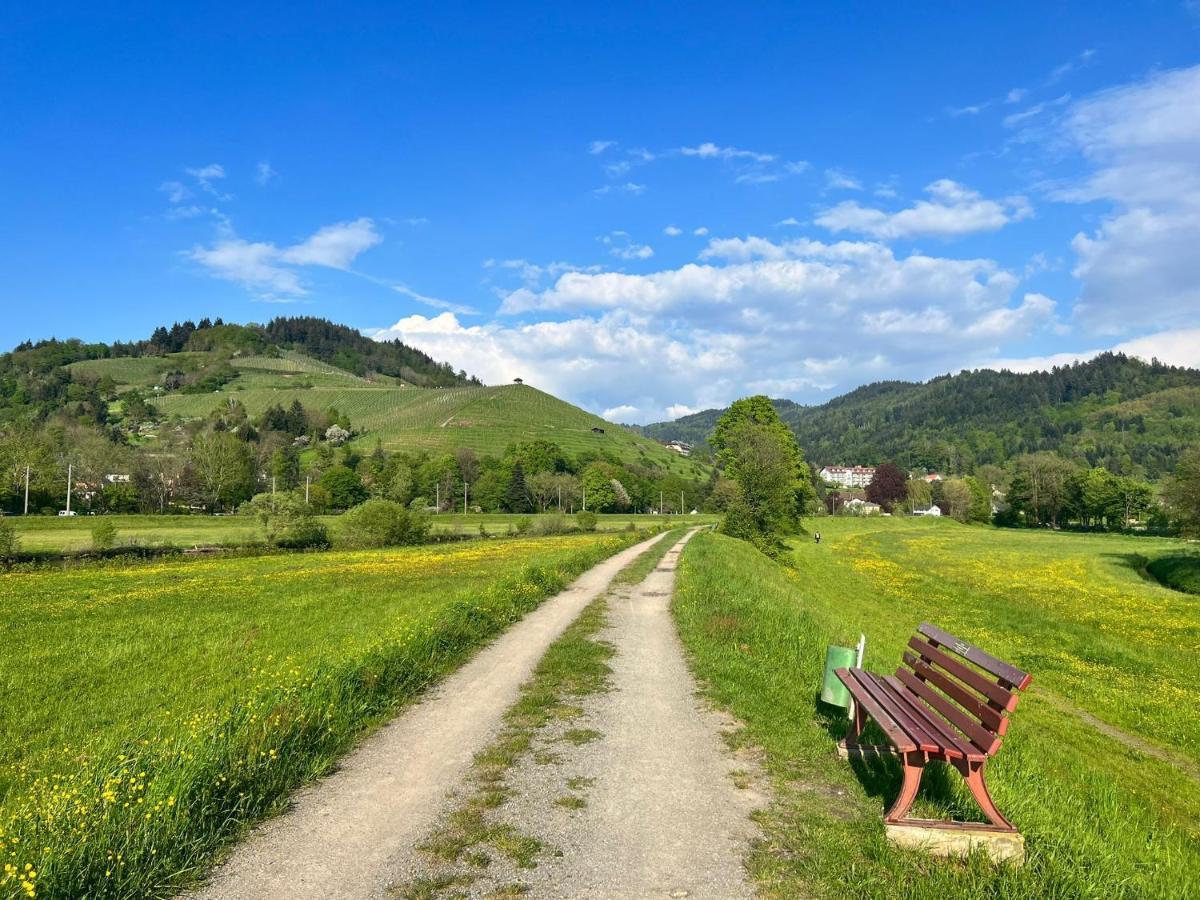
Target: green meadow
<point x="1100" y="769"/>
<point x="153" y="710"/>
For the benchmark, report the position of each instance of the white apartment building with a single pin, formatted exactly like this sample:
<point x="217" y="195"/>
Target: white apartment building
<point x="848" y="476"/>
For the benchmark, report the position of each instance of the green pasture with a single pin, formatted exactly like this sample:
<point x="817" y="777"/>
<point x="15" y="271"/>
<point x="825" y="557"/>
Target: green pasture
<point x="152" y="710"/>
<point x="1100" y="769"/>
<point x="50" y="534"/>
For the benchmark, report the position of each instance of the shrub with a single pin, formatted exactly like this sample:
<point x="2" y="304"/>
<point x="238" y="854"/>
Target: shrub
<point x="383" y="523"/>
<point x="104" y="535"/>
<point x="288" y="521"/>
<point x="523" y="524"/>
<point x="344" y="486"/>
<point x="555" y="523"/>
<point x="10" y="544"/>
<point x="586" y="521"/>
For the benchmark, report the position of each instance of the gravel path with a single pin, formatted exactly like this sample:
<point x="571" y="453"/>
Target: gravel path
<point x="353" y="833"/>
<point x="666" y="804"/>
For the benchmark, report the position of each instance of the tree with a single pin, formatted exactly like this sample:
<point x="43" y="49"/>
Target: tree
<point x="920" y="494"/>
<point x="597" y="486"/>
<point x="1182" y="491"/>
<point x="345" y="489"/>
<point x="543" y="488"/>
<point x="980" y="507"/>
<point x="758" y="452"/>
<point x="285" y="468"/>
<point x="383" y="523"/>
<point x="956" y="498"/>
<point x="888" y="486"/>
<point x="1039" y="487"/>
<point x="223" y="467"/>
<point x="288" y="521"/>
<point x="516" y="497"/>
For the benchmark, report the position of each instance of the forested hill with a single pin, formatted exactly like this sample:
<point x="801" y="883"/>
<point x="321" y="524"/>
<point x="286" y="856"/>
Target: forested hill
<point x="350" y="350"/>
<point x="1130" y="416"/>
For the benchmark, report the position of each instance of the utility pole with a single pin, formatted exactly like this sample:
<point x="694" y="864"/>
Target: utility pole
<point x="69" y="470"/>
<point x="437" y="498"/>
<point x="585" y="498"/>
<point x="464" y="498"/>
<point x="560" y="498"/>
<point x="660" y="503"/>
<point x="307" y="482"/>
<point x="27" y="490"/>
<point x="681" y="503"/>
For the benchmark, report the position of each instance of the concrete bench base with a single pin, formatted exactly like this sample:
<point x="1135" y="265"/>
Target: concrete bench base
<point x="958" y="839"/>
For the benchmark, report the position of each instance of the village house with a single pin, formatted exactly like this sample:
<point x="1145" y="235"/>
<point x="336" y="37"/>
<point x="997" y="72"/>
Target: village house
<point x="848" y="476"/>
<point x="679" y="447"/>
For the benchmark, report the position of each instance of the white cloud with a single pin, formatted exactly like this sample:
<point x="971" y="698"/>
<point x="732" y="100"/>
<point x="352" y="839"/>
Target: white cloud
<point x="206" y="175"/>
<point x="817" y="317"/>
<point x="700" y="232"/>
<point x="622" y="246"/>
<point x="952" y="210"/>
<point x="1016" y="95"/>
<point x="623" y="413"/>
<point x="263" y="173"/>
<point x="176" y="191"/>
<point x="673" y="231"/>
<point x="790" y="220"/>
<point x="253" y="265"/>
<point x="1139" y="267"/>
<point x="628" y="187"/>
<point x="335" y="246"/>
<point x="267" y="270"/>
<point x="710" y="150"/>
<point x="599" y="147"/>
<point x="836" y="179"/>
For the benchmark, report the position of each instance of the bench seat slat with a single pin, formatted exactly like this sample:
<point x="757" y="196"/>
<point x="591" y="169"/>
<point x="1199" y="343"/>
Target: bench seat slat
<point x="1003" y="698"/>
<point x="895" y="733"/>
<point x="926" y="738"/>
<point x="989" y="717"/>
<point x="953" y="744"/>
<point x="978" y="735"/>
<point x="1019" y="678"/>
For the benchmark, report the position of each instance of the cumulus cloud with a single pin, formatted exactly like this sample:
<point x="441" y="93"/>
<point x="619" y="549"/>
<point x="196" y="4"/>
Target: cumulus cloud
<point x="952" y="210"/>
<point x="1176" y="348"/>
<point x="818" y="317"/>
<point x="709" y="150"/>
<point x="622" y="246"/>
<point x="598" y="147"/>
<point x="268" y="270"/>
<point x="263" y="173"/>
<point x="673" y="231"/>
<point x="1139" y="268"/>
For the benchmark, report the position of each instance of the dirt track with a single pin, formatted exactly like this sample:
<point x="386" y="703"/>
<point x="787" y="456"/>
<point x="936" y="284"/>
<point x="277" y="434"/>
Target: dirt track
<point x="353" y="833"/>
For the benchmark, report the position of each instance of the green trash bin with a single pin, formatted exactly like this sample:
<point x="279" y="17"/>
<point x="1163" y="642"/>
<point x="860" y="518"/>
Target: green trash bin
<point x="833" y="691"/>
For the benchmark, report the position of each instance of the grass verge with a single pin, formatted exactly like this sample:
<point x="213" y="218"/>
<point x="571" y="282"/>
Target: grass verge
<point x="1099" y="820"/>
<point x="1180" y="573"/>
<point x="167" y="707"/>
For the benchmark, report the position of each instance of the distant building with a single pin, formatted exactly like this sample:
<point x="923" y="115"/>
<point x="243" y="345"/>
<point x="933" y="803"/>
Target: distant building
<point x="679" y="447"/>
<point x="596" y="429"/>
<point x="857" y="507"/>
<point x="932" y="511"/>
<point x="117" y="479"/>
<point x="848" y="476"/>
<point x="932" y="477"/>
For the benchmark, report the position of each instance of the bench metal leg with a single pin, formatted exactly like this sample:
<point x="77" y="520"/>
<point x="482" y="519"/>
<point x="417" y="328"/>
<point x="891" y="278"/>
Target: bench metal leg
<point x="973" y="773"/>
<point x="914" y="768"/>
<point x="858" y="721"/>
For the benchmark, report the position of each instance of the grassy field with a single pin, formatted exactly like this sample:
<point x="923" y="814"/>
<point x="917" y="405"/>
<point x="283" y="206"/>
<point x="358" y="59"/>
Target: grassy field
<point x="1101" y="769"/>
<point x="55" y="534"/>
<point x="153" y="710"/>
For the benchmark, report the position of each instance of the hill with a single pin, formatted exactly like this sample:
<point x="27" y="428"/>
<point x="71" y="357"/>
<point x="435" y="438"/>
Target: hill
<point x="1130" y="416"/>
<point x="395" y="396"/>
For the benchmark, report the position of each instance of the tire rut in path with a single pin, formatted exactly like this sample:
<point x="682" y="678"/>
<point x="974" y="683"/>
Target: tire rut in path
<point x="354" y="832"/>
<point x="663" y="815"/>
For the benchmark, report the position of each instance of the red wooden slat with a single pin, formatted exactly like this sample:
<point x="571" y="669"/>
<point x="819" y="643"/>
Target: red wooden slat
<point x="998" y="667"/>
<point x="1002" y="697"/>
<point x="895" y="733"/>
<point x="980" y="736"/>
<point x="926" y="738"/>
<point x="952" y="743"/>
<point x="989" y="717"/>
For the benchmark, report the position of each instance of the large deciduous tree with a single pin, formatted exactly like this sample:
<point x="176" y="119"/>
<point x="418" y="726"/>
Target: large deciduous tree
<point x="1182" y="491"/>
<point x="759" y="453"/>
<point x="888" y="486"/>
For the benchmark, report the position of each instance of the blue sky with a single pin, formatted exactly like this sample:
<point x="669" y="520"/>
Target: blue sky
<point x="645" y="209"/>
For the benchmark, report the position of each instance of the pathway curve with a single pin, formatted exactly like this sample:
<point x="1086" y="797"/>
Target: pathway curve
<point x="351" y="834"/>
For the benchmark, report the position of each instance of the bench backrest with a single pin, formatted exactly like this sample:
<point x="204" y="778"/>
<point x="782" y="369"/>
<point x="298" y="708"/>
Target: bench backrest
<point x="969" y="688"/>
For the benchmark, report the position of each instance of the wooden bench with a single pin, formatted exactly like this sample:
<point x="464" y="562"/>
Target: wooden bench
<point x="949" y="701"/>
